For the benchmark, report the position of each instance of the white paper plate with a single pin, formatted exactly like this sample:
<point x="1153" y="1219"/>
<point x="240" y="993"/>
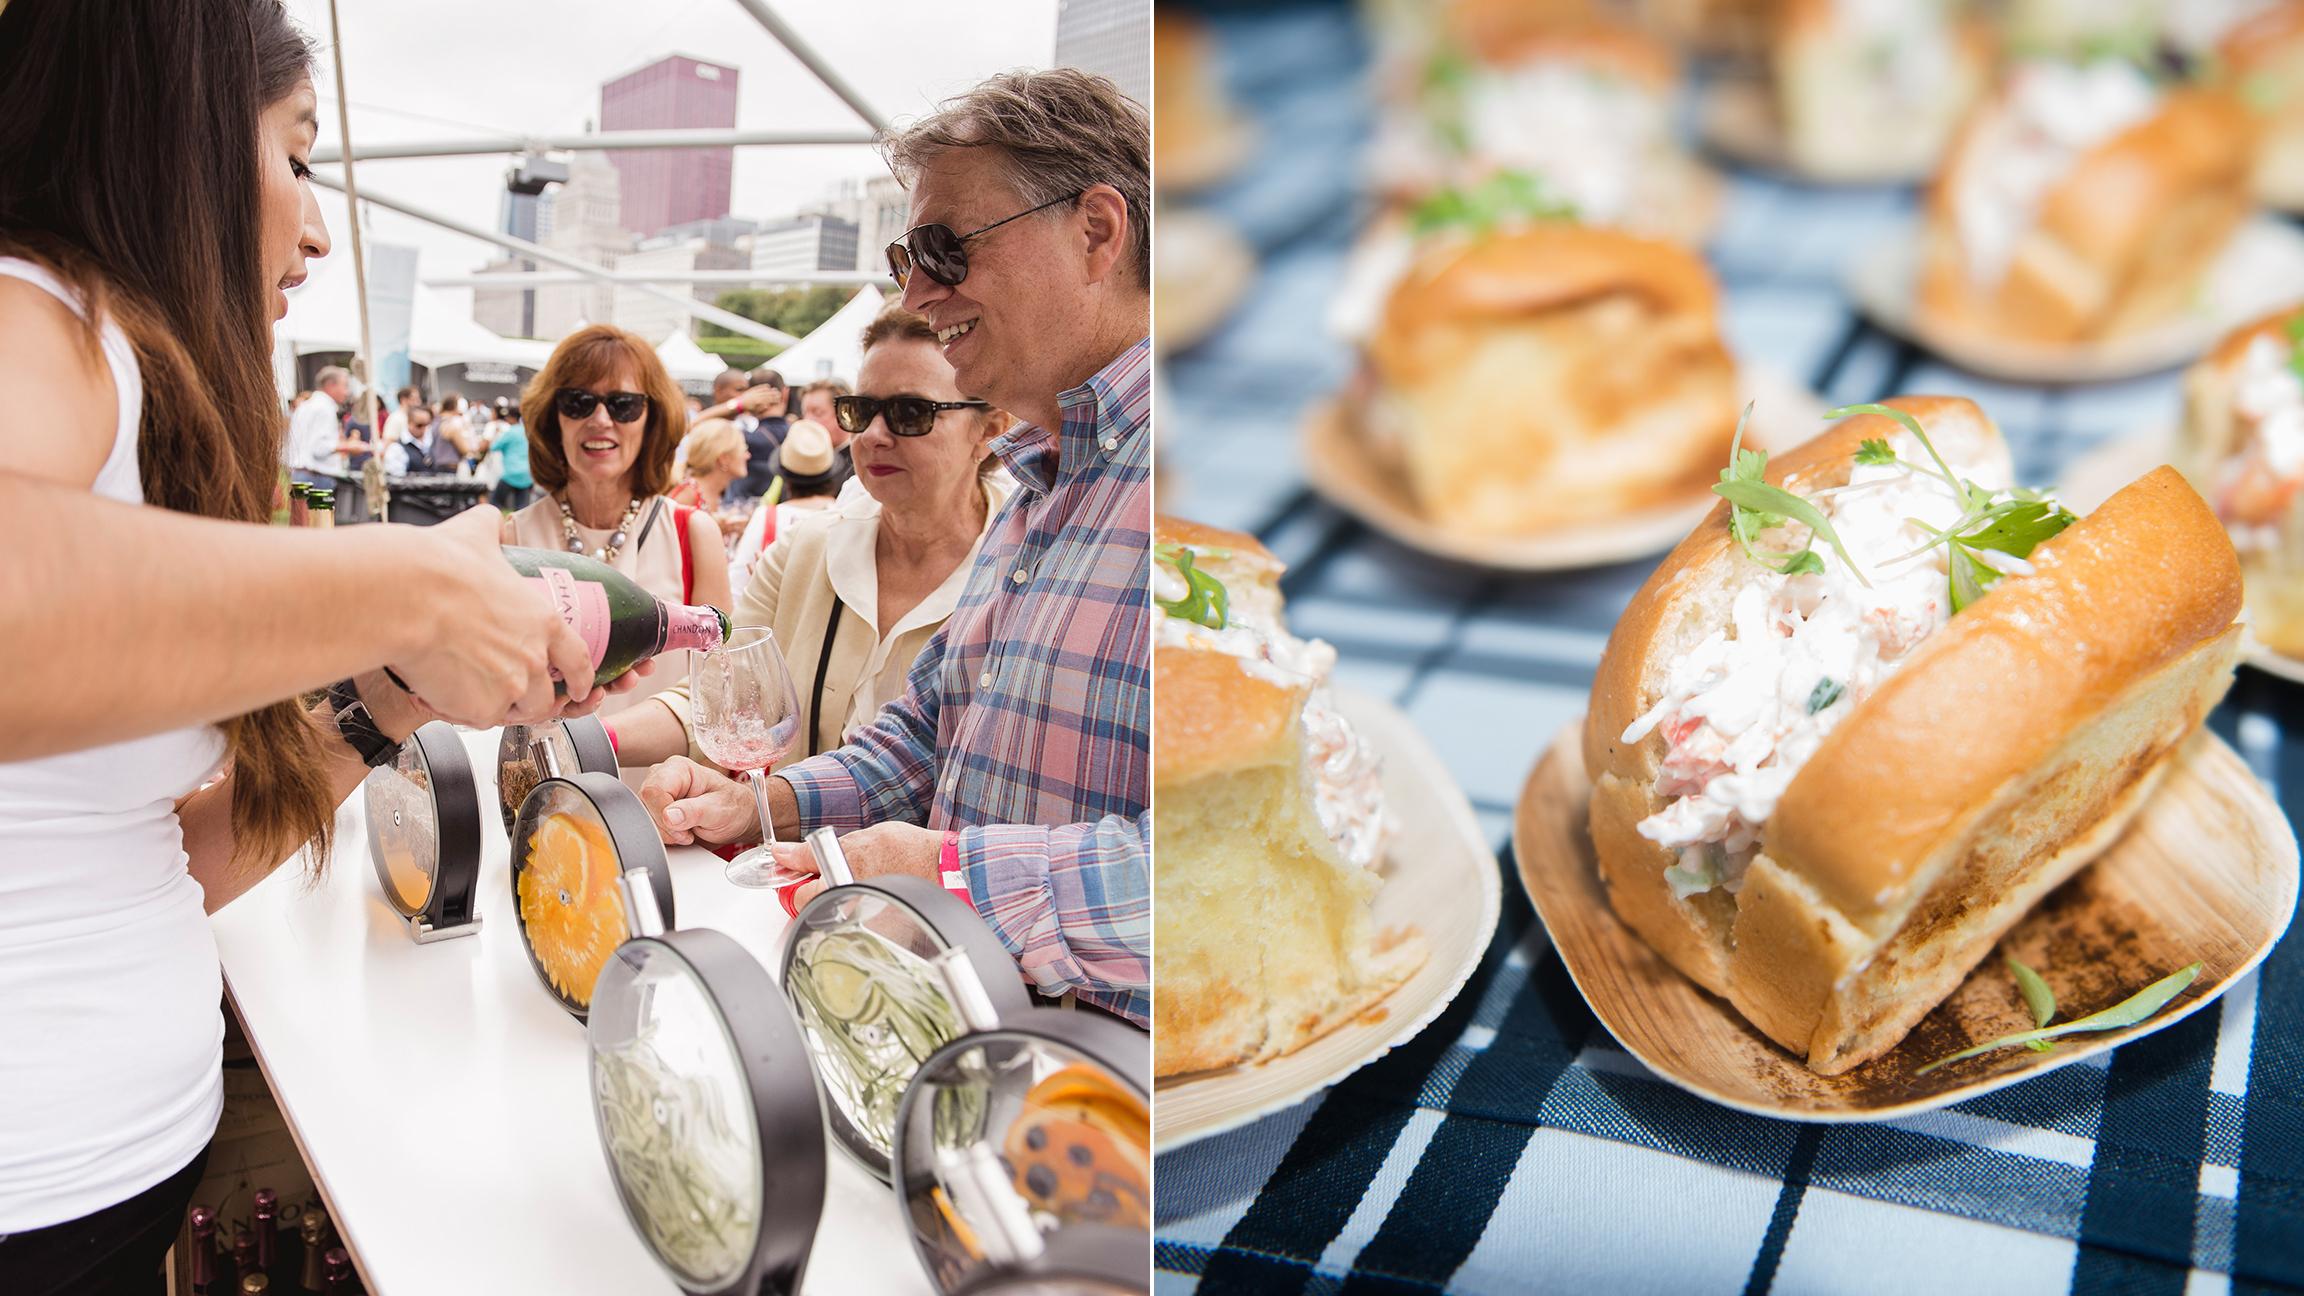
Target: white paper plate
<point x="1738" y="120"/>
<point x="1344" y="470"/>
<point x="2263" y="269"/>
<point x="1440" y="877"/>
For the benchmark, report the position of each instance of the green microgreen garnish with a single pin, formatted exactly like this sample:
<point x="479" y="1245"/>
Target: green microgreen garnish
<point x="1504" y="198"/>
<point x="2014" y="526"/>
<point x="1205" y="601"/>
<point x="1686" y="881"/>
<point x="2126" y="1013"/>
<point x="2295" y="330"/>
<point x="1827" y="692"/>
<point x="2037" y="997"/>
<point x="1756" y="505"/>
<point x="1447" y="80"/>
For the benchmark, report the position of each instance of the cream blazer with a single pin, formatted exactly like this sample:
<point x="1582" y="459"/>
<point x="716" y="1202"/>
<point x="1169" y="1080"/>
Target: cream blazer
<point x="823" y="566"/>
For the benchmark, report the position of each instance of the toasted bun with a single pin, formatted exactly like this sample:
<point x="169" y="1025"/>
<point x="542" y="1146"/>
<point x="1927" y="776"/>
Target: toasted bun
<point x="2000" y="759"/>
<point x="1502" y="33"/>
<point x="1556" y="375"/>
<point x="1265" y="941"/>
<point x="2117" y="245"/>
<point x="2212" y="436"/>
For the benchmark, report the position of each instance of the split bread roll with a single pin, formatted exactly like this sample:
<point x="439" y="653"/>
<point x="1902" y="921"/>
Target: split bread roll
<point x="1555" y="375"/>
<point x="2081" y="203"/>
<point x="1951" y="790"/>
<point x="1870" y="89"/>
<point x="2264" y="56"/>
<point x="1270" y="828"/>
<point x="2243" y="441"/>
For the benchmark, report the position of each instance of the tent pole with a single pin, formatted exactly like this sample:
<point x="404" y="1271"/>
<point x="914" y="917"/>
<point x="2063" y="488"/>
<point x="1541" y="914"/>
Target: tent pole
<point x="367" y="362"/>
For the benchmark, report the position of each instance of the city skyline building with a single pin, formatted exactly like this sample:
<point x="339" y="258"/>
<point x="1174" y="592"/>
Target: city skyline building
<point x="1110" y="37"/>
<point x="667" y="187"/>
<point x="805" y="244"/>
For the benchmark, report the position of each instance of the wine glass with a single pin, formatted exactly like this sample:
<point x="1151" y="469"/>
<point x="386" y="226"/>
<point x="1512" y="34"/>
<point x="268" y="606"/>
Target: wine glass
<point x="747" y="718"/>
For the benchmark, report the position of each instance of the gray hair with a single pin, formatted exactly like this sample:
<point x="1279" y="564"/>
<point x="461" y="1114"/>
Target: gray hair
<point x="329" y="374"/>
<point x="1059" y="133"/>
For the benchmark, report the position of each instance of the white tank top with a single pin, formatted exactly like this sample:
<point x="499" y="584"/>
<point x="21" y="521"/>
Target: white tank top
<point x="111" y="1034"/>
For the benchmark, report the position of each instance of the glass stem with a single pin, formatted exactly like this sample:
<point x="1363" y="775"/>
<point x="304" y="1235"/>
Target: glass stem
<point x="759" y="779"/>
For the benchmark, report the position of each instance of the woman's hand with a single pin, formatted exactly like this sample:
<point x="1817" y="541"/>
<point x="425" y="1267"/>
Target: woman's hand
<point x="697" y="806"/>
<point x="495" y="644"/>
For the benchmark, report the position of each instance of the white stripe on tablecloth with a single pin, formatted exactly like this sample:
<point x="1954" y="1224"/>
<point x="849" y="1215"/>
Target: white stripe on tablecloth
<point x="2001" y="1136"/>
<point x="2235" y="1037"/>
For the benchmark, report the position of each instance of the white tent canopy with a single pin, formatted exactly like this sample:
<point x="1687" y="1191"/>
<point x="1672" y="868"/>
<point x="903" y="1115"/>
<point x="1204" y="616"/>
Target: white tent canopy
<point x="324" y="315"/>
<point x="835" y="349"/>
<point x="686" y="361"/>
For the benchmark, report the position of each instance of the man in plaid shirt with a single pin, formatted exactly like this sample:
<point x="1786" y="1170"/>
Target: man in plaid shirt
<point x="1016" y="768"/>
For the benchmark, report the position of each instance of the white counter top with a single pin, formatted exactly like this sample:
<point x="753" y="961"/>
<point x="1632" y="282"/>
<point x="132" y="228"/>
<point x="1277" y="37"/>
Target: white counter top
<point x="441" y="1095"/>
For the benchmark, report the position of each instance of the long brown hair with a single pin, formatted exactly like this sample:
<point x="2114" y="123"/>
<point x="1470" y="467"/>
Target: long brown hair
<point x="593" y="354"/>
<point x="129" y="165"/>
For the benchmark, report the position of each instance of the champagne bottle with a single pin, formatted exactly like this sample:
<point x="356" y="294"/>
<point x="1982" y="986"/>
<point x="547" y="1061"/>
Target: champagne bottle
<point x="321" y="511"/>
<point x="299" y="503"/>
<point x="267" y="1229"/>
<point x="204" y="1252"/>
<point x="315" y="1275"/>
<point x="620" y="622"/>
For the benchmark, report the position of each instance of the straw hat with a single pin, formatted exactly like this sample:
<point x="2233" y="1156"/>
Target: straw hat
<point x="807" y="450"/>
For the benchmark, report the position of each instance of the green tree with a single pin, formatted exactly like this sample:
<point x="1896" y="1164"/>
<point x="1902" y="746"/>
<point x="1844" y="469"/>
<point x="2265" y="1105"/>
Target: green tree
<point x="795" y="310"/>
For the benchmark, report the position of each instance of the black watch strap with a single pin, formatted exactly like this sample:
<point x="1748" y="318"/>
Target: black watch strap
<point x="358" y="727"/>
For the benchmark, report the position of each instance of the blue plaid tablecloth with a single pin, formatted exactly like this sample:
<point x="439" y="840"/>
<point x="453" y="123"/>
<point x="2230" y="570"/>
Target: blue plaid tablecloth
<point x="1513" y="1147"/>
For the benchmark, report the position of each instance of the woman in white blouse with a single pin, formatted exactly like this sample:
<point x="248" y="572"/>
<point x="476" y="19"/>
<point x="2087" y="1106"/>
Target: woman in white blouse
<point x="856" y="591"/>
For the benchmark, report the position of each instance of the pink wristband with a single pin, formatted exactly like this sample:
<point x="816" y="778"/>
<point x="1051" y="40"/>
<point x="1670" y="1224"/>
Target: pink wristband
<point x="949" y="873"/>
<point x="610" y="729"/>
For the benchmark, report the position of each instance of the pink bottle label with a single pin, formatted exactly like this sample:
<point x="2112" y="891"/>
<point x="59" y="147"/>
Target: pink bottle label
<point x="582" y="604"/>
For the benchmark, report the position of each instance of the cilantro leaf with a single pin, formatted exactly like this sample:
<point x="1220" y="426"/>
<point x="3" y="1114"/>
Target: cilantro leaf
<point x="2135" y="1008"/>
<point x="1803" y="563"/>
<point x="2019" y="530"/>
<point x="1911" y="425"/>
<point x="1970" y="578"/>
<point x="1875" y="451"/>
<point x="1827" y="692"/>
<point x="1205" y="602"/>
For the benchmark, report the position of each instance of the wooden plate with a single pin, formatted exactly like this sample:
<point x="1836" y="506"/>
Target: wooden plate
<point x="1447" y="887"/>
<point x="1344" y="470"/>
<point x="2263" y="269"/>
<point x="1737" y="119"/>
<point x="2093" y="478"/>
<point x="2206" y="872"/>
<point x="1200" y="269"/>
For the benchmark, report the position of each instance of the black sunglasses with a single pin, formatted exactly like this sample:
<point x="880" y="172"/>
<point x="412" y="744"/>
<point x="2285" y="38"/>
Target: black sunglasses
<point x="908" y="416"/>
<point x="623" y="406"/>
<point x="943" y="255"/>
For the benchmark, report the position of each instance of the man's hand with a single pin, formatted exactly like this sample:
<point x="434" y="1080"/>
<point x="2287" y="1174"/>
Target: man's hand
<point x="877" y="851"/>
<point x="756" y="400"/>
<point x="697" y="806"/>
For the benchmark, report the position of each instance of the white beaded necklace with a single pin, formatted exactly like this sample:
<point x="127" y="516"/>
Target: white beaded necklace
<point x="608" y="552"/>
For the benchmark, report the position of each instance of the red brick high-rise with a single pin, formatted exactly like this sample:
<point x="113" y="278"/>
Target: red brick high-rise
<point x="665" y="187"/>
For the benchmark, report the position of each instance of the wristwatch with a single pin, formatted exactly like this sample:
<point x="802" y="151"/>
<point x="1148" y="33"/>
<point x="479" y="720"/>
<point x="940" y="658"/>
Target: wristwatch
<point x="357" y="727"/>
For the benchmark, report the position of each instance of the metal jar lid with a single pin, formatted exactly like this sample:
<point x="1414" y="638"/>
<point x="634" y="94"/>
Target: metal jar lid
<point x="588" y="873"/>
<point x="859" y="968"/>
<point x="701" y="1084"/>
<point x="1023" y="1157"/>
<point x="423" y="814"/>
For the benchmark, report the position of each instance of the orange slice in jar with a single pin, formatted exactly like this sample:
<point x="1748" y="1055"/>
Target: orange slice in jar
<point x="570" y="909"/>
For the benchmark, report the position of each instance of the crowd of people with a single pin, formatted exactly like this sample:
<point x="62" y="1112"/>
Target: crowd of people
<point x="954" y="556"/>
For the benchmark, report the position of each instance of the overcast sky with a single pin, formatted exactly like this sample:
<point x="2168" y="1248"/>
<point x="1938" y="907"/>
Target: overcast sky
<point x="456" y="69"/>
